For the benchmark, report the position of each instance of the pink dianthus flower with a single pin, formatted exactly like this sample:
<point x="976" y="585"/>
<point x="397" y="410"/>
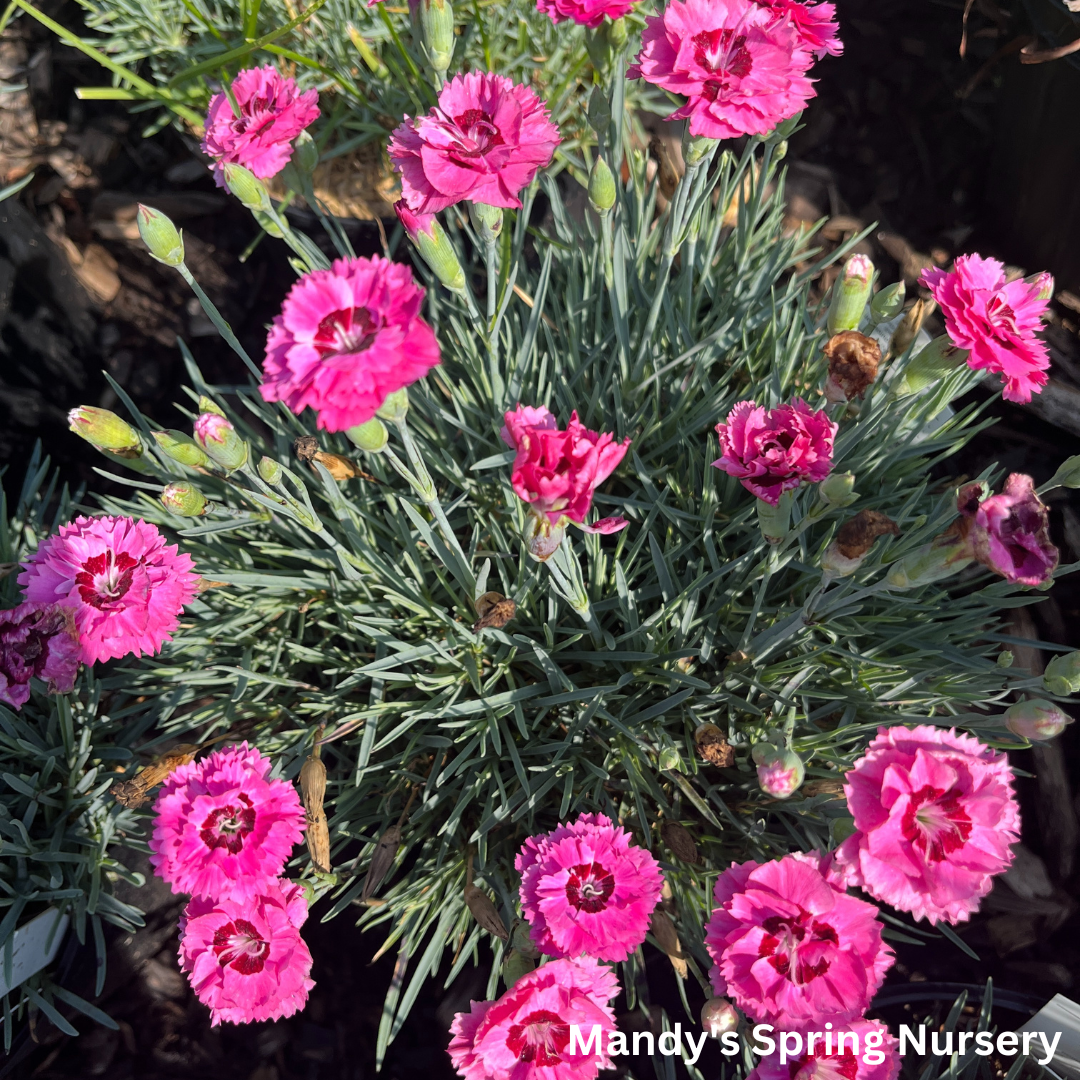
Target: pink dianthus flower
<point x="935" y="814"/>
<point x="1009" y="533"/>
<point x="771" y="451"/>
<point x="791" y="949"/>
<point x="484" y="141"/>
<point x="995" y="320"/>
<point x="586" y="889"/>
<point x="246" y="961"/>
<point x="221" y="829"/>
<point x="525" y="1035"/>
<point x="557" y="472"/>
<point x="272" y="113"/>
<point x="584" y="12"/>
<point x="125" y="586"/>
<point x="814" y="23"/>
<point x="849" y="1047"/>
<point x="741" y="69"/>
<point x="346" y="338"/>
<point x="36" y="641"/>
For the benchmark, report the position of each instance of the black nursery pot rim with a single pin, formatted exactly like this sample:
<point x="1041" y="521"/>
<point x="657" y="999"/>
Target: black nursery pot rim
<point x="912" y="993"/>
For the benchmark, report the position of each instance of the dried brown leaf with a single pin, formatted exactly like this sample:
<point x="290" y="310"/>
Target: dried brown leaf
<point x="713" y="747"/>
<point x="494" y="610"/>
<point x="483" y="911"/>
<point x="381" y="861"/>
<point x="135" y="792"/>
<point x="678" y="838"/>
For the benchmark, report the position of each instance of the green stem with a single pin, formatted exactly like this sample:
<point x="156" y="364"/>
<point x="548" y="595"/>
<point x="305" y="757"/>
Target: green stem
<point x="223" y="328"/>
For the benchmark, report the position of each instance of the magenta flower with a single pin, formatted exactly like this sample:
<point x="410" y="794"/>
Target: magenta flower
<point x="771" y="451"/>
<point x="843" y="1057"/>
<point x="246" y="961"/>
<point x="741" y="69"/>
<point x="935" y="814"/>
<point x="525" y="1035"/>
<point x="125" y="586"/>
<point x="557" y="472"/>
<point x="1009" y="533"/>
<point x="221" y="829"/>
<point x="995" y="320"/>
<point x="36" y="641"/>
<point x="484" y="142"/>
<point x="814" y="23"/>
<point x="790" y="948"/>
<point x="586" y="889"/>
<point x="584" y="12"/>
<point x="346" y="338"/>
<point x="272" y="113"/>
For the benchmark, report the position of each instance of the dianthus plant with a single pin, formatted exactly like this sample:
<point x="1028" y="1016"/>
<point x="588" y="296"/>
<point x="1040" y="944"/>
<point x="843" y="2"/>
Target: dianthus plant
<point x="477" y="669"/>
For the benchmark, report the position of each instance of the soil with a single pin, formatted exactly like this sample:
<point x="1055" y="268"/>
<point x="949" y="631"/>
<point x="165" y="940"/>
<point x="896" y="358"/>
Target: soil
<point x="902" y="133"/>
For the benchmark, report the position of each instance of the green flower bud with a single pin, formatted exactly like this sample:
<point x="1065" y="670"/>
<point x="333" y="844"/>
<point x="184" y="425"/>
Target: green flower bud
<point x="888" y="302"/>
<point x="105" y="430"/>
<point x="487" y="220"/>
<point x="932" y="562"/>
<point x="1036" y="720"/>
<point x="1062" y="675"/>
<point x="218" y="438"/>
<point x="269" y="470"/>
<point x="184" y="500"/>
<point x="430" y="239"/>
<point x="305" y="153"/>
<point x="840" y="828"/>
<point x="207" y="405"/>
<point x="601" y="186"/>
<point x="781" y="773"/>
<point x="670" y="760"/>
<point x="850" y="293"/>
<point x="437" y="32"/>
<point x="370" y="437"/>
<point x="1005" y="659"/>
<point x="160" y="235"/>
<point x="181" y="448"/>
<point x="246" y="186"/>
<point x="939" y="359"/>
<point x="780" y="152"/>
<point x="617" y="33"/>
<point x="599" y="111"/>
<point x="395" y="407"/>
<point x="696" y="148"/>
<point x="774" y="520"/>
<point x="1067" y="475"/>
<point x="838" y="489"/>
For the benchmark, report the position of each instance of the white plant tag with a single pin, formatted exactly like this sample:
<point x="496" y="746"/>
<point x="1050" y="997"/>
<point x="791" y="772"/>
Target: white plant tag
<point x="35" y="944"/>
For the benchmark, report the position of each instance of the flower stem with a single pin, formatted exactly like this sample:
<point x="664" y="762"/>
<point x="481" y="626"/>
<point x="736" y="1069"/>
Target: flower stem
<point x="223" y="328"/>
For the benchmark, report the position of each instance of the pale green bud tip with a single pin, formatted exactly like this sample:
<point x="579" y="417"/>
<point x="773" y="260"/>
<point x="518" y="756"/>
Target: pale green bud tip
<point x="838" y="489"/>
<point x="269" y="470"/>
<point x="246" y="186"/>
<point x="670" y="760"/>
<point x="932" y="562"/>
<point x="932" y="364"/>
<point x="182" y="448"/>
<point x="1062" y="675"/>
<point x="305" y="153"/>
<point x="218" y="438"/>
<point x="164" y="241"/>
<point x="697" y="148"/>
<point x="515" y="966"/>
<point x="370" y="437"/>
<point x="430" y="239"/>
<point x="601" y="186"/>
<point x="1005" y="659"/>
<point x="781" y="773"/>
<point x="850" y="293"/>
<point x="487" y="219"/>
<point x="617" y="33"/>
<point x="437" y="32"/>
<point x="888" y="302"/>
<point x="207" y="405"/>
<point x="1036" y="720"/>
<point x="1044" y="285"/>
<point x="719" y="1016"/>
<point x="104" y="429"/>
<point x="184" y="500"/>
<point x="395" y="407"/>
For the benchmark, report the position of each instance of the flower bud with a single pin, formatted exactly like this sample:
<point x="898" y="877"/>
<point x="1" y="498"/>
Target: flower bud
<point x="246" y="186"/>
<point x="697" y="148"/>
<point x="269" y="470"/>
<point x="436" y="19"/>
<point x="781" y="773"/>
<point x="184" y="500"/>
<point x="853" y="365"/>
<point x="853" y="542"/>
<point x="305" y="152"/>
<point x="774" y="520"/>
<point x="850" y="293"/>
<point x="888" y="302"/>
<point x="487" y="220"/>
<point x="1044" y="282"/>
<point x="670" y="760"/>
<point x="395" y="407"/>
<point x="429" y="238"/>
<point x="1067" y="475"/>
<point x="932" y="562"/>
<point x="160" y="235"/>
<point x="719" y="1016"/>
<point x="181" y="448"/>
<point x="617" y="33"/>
<point x="105" y="430"/>
<point x="521" y="940"/>
<point x="219" y="439"/>
<point x="599" y="111"/>
<point x="601" y="186"/>
<point x="760" y="751"/>
<point x="1062" y="675"/>
<point x="208" y="405"/>
<point x="1005" y="659"/>
<point x="838" y="489"/>
<point x="371" y="437"/>
<point x="1036" y="720"/>
<point x="940" y="358"/>
<point x="910" y="326"/>
<point x="541" y="537"/>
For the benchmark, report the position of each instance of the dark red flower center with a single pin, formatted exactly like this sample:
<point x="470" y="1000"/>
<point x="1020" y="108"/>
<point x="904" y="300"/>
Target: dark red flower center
<point x="540" y="1038"/>
<point x="477" y="134"/>
<point x="823" y="1066"/>
<point x="724" y="53"/>
<point x="589" y="887"/>
<point x="256" y="114"/>
<point x="105" y="578"/>
<point x="344" y="332"/>
<point x="1001" y="315"/>
<point x="227" y="826"/>
<point x="238" y="945"/>
<point x="935" y="823"/>
<point x="798" y="948"/>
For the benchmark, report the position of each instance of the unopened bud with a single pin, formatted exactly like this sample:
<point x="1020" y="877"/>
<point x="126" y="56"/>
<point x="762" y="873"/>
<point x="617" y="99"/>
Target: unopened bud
<point x="910" y="325"/>
<point x="931" y="562"/>
<point x="246" y="186"/>
<point x="1036" y="720"/>
<point x="838" y="489"/>
<point x="853" y="542"/>
<point x="888" y="302"/>
<point x="435" y="248"/>
<point x="436" y="18"/>
<point x="617" y="33"/>
<point x="209" y="405"/>
<point x="719" y="1016"/>
<point x="775" y="520"/>
<point x="219" y="439"/>
<point x="850" y="293"/>
<point x="521" y="939"/>
<point x="599" y="111"/>
<point x="269" y="470"/>
<point x="1005" y="659"/>
<point x="697" y="148"/>
<point x="1062" y="674"/>
<point x="105" y="430"/>
<point x="541" y="537"/>
<point x="371" y="437"/>
<point x="181" y="448"/>
<point x="853" y="365"/>
<point x="670" y="760"/>
<point x="395" y="407"/>
<point x="1067" y="475"/>
<point x="940" y="358"/>
<point x="161" y="237"/>
<point x="184" y="500"/>
<point x="305" y="153"/>
<point x="1044" y="284"/>
<point x="781" y="773"/>
<point x="601" y="186"/>
<point x="487" y="220"/>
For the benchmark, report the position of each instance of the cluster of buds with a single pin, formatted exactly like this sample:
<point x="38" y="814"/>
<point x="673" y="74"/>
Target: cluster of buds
<point x="1062" y="674"/>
